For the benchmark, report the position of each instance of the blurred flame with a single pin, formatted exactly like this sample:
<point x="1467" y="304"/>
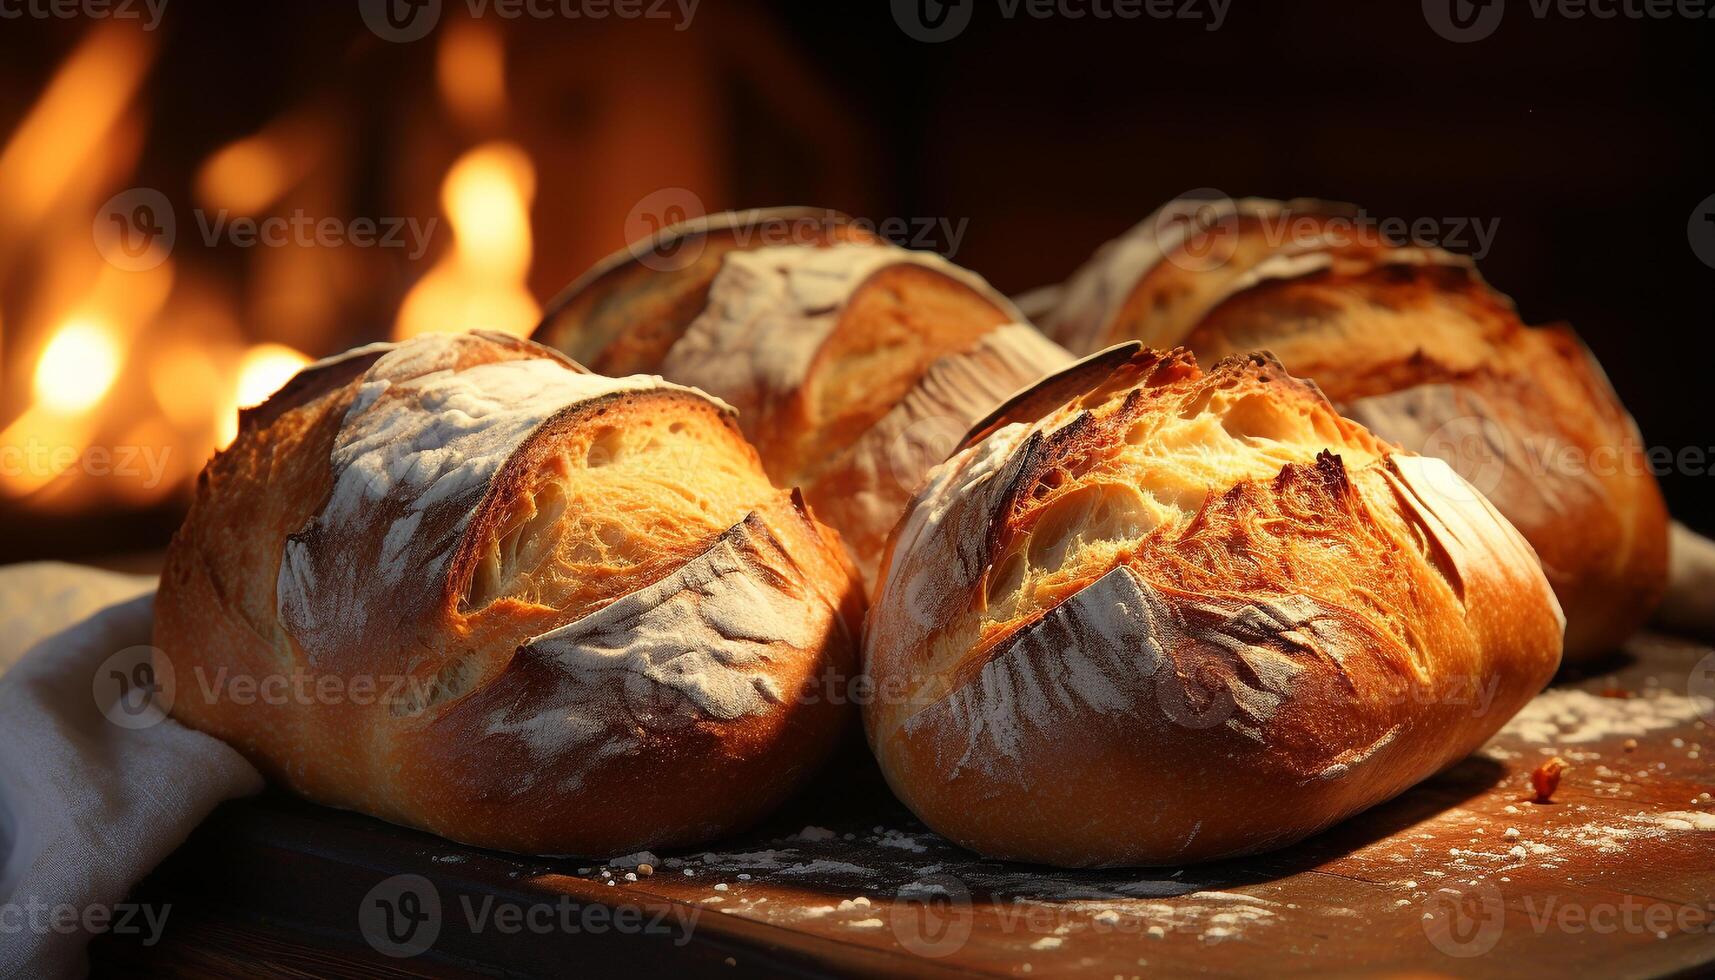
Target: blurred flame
<point x="153" y="363"/>
<point x="245" y="176"/>
<point x="182" y="377"/>
<point x="248" y="175"/>
<point x="470" y="66"/>
<point x="77" y="367"/>
<point x="263" y="370"/>
<point x="70" y="122"/>
<point x="38" y="447"/>
<point x="479" y="283"/>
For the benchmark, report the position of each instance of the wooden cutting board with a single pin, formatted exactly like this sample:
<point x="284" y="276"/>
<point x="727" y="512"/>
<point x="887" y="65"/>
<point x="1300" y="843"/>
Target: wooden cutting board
<point x="1462" y="875"/>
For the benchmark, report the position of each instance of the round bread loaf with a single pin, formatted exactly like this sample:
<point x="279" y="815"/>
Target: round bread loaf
<point x="1150" y="616"/>
<point x="854" y="367"/>
<point x="464" y="585"/>
<point x="1414" y="344"/>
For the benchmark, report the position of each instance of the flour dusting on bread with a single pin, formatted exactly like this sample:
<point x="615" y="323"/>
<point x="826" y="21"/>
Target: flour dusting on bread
<point x="1204" y="605"/>
<point x="703" y="644"/>
<point x="418" y="447"/>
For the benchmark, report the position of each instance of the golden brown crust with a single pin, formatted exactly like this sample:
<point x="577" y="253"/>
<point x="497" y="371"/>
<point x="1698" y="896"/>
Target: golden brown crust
<point x="624" y="314"/>
<point x="472" y="589"/>
<point x="1414" y="344"/>
<point x="1206" y="607"/>
<point x="1156" y="281"/>
<point x="854" y="367"/>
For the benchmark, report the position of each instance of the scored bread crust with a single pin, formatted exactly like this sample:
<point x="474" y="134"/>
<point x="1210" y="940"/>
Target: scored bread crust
<point x="853" y="367"/>
<point x="622" y="315"/>
<point x="1413" y="343"/>
<point x="1206" y="610"/>
<point x="1155" y="281"/>
<point x="494" y="596"/>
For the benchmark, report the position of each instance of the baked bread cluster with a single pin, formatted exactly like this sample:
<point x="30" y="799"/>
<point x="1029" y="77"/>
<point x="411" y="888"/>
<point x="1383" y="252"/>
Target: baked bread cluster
<point x="462" y="584"/>
<point x="855" y="365"/>
<point x="1205" y="609"/>
<point x="1414" y="344"/>
<point x="604" y="589"/>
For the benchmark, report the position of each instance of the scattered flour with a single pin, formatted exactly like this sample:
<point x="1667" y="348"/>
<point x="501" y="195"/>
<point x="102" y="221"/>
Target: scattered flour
<point x="631" y="861"/>
<point x="1678" y="820"/>
<point x="1562" y="716"/>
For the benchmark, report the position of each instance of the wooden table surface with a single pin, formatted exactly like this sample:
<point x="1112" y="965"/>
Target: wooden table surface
<point x="1460" y="876"/>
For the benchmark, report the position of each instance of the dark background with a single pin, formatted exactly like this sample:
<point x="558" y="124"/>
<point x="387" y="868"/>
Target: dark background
<point x="1588" y="139"/>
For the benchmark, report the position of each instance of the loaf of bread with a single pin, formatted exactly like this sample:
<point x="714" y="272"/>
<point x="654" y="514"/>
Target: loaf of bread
<point x="1204" y="612"/>
<point x="624" y="314"/>
<point x="1415" y="345"/>
<point x="462" y="584"/>
<point x="854" y="367"/>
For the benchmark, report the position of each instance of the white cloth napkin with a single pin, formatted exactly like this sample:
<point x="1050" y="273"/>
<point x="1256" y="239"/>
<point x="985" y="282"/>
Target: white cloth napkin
<point x="88" y="805"/>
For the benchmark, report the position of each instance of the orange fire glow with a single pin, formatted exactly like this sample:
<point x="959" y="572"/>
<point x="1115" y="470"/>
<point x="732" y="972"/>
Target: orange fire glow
<point x="159" y="357"/>
<point x="480" y="282"/>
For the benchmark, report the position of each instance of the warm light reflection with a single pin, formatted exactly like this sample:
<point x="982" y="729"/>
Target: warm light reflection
<point x="77" y="367"/>
<point x="479" y="283"/>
